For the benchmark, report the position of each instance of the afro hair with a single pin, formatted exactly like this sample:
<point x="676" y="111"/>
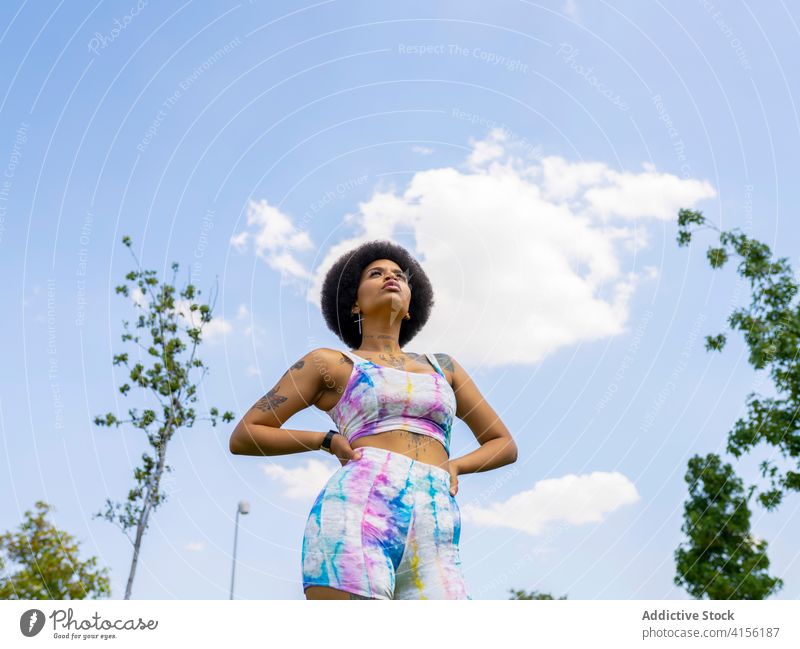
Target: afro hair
<point x="340" y="290"/>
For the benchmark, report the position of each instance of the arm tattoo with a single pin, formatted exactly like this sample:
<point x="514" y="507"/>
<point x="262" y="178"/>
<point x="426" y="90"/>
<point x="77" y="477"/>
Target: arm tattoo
<point x="298" y="365"/>
<point x="270" y="400"/>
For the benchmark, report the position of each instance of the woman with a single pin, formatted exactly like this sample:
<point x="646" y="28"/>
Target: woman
<point x="386" y="525"/>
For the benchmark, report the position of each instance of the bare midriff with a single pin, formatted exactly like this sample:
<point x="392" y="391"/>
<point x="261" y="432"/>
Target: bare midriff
<point x="417" y="446"/>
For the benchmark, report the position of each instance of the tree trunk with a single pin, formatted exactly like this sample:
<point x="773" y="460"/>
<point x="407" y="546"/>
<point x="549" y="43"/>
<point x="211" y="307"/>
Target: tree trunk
<point x="142" y="525"/>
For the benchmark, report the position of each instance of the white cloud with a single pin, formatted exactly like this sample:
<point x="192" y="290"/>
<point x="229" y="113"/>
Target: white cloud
<point x="605" y="192"/>
<point x="525" y="256"/>
<point x="487" y="149"/>
<point x="194" y="547"/>
<point x="275" y="239"/>
<point x="646" y="195"/>
<point x="424" y="150"/>
<point x="563" y="179"/>
<point x="212" y="331"/>
<point x="303" y="482"/>
<point x="138" y="297"/>
<point x="651" y="272"/>
<point x="216" y="329"/>
<point x="571" y="8"/>
<point x="256" y="334"/>
<point x="572" y="499"/>
<point x="239" y="241"/>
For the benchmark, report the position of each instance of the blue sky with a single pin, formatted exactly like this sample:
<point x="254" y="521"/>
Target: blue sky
<point x="532" y="156"/>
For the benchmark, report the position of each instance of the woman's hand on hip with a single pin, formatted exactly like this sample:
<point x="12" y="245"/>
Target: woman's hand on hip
<point x="341" y="448"/>
<point x="452" y="469"/>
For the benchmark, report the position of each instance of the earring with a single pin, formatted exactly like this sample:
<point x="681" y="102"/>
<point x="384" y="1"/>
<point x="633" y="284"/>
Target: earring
<point x="407" y="316"/>
<point x="359" y="321"/>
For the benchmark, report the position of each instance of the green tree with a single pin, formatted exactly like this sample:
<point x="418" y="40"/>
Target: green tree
<point x="721" y="559"/>
<point x="534" y="594"/>
<point x="771" y="328"/>
<point x="163" y="373"/>
<point x="48" y="563"/>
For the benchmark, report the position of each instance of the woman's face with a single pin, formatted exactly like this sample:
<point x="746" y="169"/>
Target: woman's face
<point x="384" y="284"/>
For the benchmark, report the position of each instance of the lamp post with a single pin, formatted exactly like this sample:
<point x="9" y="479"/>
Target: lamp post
<point x="243" y="508"/>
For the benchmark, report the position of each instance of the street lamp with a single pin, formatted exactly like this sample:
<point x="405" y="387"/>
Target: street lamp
<point x="243" y="508"/>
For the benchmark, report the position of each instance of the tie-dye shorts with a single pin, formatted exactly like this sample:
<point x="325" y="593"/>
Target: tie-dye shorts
<point x="385" y="527"/>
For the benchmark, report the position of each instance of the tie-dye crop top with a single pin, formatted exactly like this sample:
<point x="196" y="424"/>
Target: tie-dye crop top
<point x="378" y="398"/>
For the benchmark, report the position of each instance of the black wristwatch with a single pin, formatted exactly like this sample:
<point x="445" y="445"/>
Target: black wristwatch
<point x="326" y="443"/>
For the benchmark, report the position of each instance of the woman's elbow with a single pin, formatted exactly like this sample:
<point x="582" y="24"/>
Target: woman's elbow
<point x="235" y="442"/>
<point x="233" y="445"/>
<point x="512" y="451"/>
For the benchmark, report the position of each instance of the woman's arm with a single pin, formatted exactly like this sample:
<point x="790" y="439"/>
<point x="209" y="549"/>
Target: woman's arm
<point x="497" y="448"/>
<point x="259" y="432"/>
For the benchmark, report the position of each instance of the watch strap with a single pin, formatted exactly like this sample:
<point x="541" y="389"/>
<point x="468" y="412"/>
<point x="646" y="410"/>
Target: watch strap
<point x="326" y="443"/>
